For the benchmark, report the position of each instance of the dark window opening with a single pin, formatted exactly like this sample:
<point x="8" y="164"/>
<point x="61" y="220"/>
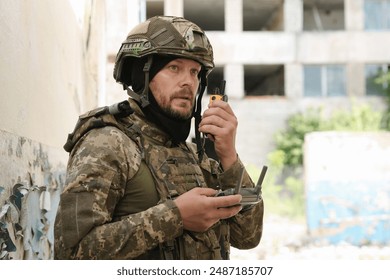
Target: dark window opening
<point x="154" y="8"/>
<point x="209" y="15"/>
<point x="323" y="15"/>
<point x="261" y="80"/>
<point x="266" y="15"/>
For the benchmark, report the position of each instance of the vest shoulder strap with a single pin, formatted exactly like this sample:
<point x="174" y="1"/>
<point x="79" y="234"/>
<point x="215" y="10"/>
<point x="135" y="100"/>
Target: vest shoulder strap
<point x="97" y="118"/>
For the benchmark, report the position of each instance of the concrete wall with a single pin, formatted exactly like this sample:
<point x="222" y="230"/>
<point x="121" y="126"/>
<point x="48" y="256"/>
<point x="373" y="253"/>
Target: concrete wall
<point x="42" y="76"/>
<point x="122" y="16"/>
<point x="51" y="58"/>
<point x="347" y="181"/>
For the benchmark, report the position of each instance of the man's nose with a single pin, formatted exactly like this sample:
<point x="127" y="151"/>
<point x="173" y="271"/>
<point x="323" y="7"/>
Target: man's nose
<point x="187" y="78"/>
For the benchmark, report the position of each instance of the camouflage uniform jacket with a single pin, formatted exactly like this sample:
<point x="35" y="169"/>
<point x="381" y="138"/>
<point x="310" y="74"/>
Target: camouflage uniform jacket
<point x="118" y="199"/>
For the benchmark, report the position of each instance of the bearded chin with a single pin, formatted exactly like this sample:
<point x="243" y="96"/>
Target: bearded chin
<point x="173" y="114"/>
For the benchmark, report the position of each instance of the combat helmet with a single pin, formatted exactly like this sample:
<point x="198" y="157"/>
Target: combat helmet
<point x="167" y="36"/>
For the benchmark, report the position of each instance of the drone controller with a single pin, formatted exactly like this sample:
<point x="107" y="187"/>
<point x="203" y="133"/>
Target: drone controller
<point x="250" y="196"/>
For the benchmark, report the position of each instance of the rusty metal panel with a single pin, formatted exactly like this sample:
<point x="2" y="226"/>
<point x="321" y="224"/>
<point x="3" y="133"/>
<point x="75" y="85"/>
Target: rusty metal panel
<point x="347" y="181"/>
<point x="31" y="179"/>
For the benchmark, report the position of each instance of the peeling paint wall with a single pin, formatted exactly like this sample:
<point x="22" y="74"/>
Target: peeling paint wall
<point x="52" y="69"/>
<point x="347" y="180"/>
<point x="31" y="179"/>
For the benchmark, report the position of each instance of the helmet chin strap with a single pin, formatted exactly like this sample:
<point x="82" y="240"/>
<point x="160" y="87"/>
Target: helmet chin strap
<point x="198" y="117"/>
<point x="143" y="98"/>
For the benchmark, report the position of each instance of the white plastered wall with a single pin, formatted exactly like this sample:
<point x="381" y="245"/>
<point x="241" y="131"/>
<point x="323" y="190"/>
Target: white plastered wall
<point x="41" y="66"/>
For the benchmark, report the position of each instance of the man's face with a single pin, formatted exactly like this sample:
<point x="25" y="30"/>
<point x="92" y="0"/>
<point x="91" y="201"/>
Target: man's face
<point x="175" y="86"/>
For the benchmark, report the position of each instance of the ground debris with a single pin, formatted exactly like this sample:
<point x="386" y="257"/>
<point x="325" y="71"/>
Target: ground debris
<point x="286" y="239"/>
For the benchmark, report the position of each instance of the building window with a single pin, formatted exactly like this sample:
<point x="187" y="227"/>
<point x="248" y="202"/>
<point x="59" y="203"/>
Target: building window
<point x="266" y="15"/>
<point x="261" y="80"/>
<point x="376" y="14"/>
<point x="154" y="8"/>
<point x="323" y="15"/>
<point x="209" y="15"/>
<point x="324" y="80"/>
<point x="377" y="79"/>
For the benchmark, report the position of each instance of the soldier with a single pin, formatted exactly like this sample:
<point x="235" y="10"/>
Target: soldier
<point x="135" y="189"/>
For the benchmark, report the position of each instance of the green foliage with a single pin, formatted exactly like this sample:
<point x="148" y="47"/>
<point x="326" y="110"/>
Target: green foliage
<point x="296" y="197"/>
<point x="283" y="188"/>
<point x="290" y="141"/>
<point x="281" y="198"/>
<point x="360" y="118"/>
<point x="384" y="78"/>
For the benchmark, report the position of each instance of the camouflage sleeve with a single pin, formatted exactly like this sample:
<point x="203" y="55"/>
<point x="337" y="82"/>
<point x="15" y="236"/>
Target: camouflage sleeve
<point x="228" y="178"/>
<point x="99" y="168"/>
<point x="247" y="226"/>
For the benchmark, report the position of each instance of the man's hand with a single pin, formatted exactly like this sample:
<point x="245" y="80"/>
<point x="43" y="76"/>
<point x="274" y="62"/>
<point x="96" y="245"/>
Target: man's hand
<point x="220" y="124"/>
<point x="200" y="209"/>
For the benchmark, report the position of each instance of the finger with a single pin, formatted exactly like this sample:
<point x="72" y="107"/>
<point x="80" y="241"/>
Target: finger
<point x="219" y="111"/>
<point x="213" y="120"/>
<point x="211" y="137"/>
<point x="222" y="120"/>
<point x="227" y="201"/>
<point x="217" y="131"/>
<point x="218" y="122"/>
<point x="212" y="130"/>
<point x="206" y="191"/>
<point x="221" y="104"/>
<point x="228" y="212"/>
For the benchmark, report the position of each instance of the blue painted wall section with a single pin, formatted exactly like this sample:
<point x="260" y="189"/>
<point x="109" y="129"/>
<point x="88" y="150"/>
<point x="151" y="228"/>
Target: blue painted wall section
<point x="347" y="181"/>
<point x="31" y="179"/>
<point x="352" y="212"/>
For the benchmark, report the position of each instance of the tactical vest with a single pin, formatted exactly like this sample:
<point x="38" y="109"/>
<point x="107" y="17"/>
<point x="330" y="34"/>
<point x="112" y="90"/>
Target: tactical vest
<point x="175" y="170"/>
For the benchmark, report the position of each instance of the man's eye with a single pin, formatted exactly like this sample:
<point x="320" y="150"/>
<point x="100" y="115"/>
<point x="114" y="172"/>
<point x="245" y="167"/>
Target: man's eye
<point x="173" y="67"/>
<point x="195" y="72"/>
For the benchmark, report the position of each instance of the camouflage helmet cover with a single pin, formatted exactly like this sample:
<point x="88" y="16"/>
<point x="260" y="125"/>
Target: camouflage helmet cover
<point x="163" y="35"/>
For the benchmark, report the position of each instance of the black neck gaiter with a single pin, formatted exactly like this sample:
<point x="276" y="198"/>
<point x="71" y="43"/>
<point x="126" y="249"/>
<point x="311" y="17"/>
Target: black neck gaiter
<point x="176" y="128"/>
